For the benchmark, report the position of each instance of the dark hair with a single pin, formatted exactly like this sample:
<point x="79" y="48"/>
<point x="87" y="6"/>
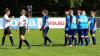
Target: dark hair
<point x="94" y="12"/>
<point x="45" y="11"/>
<point x="6" y="10"/>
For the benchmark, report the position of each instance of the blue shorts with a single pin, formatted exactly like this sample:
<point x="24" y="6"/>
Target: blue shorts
<point x="92" y="32"/>
<point x="45" y="31"/>
<point x="66" y="31"/>
<point x="83" y="32"/>
<point x="72" y="32"/>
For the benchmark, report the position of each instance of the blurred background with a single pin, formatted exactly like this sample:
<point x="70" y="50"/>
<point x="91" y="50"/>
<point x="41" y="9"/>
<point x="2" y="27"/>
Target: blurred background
<point x="55" y="7"/>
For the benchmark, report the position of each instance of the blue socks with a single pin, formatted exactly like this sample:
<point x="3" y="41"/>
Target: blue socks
<point x="70" y="40"/>
<point x="82" y="41"/>
<point x="75" y="40"/>
<point x="87" y="41"/>
<point x="94" y="40"/>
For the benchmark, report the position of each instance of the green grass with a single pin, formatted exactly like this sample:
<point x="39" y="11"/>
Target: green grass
<point x="36" y="40"/>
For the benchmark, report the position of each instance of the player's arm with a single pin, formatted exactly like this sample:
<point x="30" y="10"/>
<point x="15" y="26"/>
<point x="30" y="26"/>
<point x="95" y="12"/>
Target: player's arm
<point x="43" y="25"/>
<point x="27" y="23"/>
<point x="88" y="23"/>
<point x="9" y="19"/>
<point x="95" y="24"/>
<point x="17" y="26"/>
<point x="66" y="22"/>
<point x="19" y="22"/>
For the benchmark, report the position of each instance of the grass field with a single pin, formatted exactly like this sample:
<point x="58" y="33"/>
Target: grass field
<point x="36" y="40"/>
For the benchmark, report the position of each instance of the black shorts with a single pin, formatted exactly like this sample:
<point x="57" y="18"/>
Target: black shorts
<point x="22" y="30"/>
<point x="7" y="31"/>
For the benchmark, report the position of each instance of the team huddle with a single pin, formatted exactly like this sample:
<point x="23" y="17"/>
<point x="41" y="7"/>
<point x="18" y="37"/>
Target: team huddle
<point x="80" y="24"/>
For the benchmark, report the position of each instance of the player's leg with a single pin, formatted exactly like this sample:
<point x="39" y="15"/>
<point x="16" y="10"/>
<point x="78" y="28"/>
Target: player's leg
<point x="75" y="38"/>
<point x="79" y="37"/>
<point x="10" y="37"/>
<point x="46" y="37"/>
<point x="20" y="42"/>
<point x="82" y="36"/>
<point x="70" y="38"/>
<point x="4" y="36"/>
<point x="3" y="39"/>
<point x="47" y="29"/>
<point x="66" y="38"/>
<point x="93" y="37"/>
<point x="25" y="41"/>
<point x="22" y="38"/>
<point x="86" y="36"/>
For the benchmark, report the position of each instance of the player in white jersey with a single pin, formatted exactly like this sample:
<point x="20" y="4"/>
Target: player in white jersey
<point x="23" y="25"/>
<point x="6" y="24"/>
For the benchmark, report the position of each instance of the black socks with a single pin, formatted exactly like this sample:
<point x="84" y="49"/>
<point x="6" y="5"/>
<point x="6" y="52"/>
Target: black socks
<point x="11" y="40"/>
<point x="3" y="40"/>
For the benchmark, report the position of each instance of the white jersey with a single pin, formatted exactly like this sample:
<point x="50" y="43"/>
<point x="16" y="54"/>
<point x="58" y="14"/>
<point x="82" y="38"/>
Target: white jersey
<point x="23" y="21"/>
<point x="5" y="21"/>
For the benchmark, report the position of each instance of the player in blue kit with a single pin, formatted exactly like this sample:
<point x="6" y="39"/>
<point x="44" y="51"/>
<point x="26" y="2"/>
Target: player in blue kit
<point x="93" y="26"/>
<point x="67" y="27"/>
<point x="83" y="28"/>
<point x="77" y="17"/>
<point x="45" y="27"/>
<point x="73" y="29"/>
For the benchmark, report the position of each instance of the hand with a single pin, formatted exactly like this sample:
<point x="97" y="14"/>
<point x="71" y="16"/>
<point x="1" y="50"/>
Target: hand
<point x="44" y="27"/>
<point x="40" y="29"/>
<point x="12" y="17"/>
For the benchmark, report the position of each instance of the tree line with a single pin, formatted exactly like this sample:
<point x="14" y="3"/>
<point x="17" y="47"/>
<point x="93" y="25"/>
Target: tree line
<point x="52" y="5"/>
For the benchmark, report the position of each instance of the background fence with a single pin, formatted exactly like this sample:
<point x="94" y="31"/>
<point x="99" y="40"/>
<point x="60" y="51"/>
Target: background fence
<point x="35" y="23"/>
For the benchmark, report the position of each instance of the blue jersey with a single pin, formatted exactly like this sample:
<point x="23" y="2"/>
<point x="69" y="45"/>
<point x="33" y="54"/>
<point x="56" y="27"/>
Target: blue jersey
<point x="67" y="22"/>
<point x="44" y="23"/>
<point x="92" y="23"/>
<point x="83" y="22"/>
<point x="73" y="24"/>
<point x="77" y="17"/>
